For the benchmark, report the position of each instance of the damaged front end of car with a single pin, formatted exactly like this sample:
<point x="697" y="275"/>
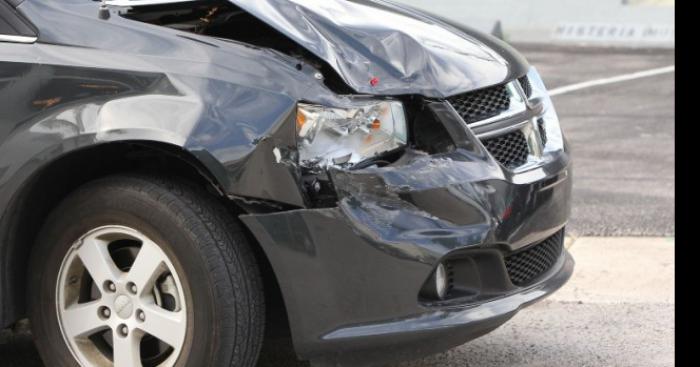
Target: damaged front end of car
<point x="407" y="179"/>
<point x="485" y="205"/>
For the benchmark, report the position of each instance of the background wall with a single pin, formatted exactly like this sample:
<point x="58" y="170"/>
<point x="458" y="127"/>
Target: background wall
<point x="628" y="23"/>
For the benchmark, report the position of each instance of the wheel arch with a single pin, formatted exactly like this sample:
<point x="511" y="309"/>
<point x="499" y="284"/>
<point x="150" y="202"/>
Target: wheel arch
<point x="47" y="186"/>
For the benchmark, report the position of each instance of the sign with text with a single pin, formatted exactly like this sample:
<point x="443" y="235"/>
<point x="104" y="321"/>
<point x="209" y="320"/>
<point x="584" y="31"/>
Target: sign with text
<point x="611" y="32"/>
<point x="650" y="2"/>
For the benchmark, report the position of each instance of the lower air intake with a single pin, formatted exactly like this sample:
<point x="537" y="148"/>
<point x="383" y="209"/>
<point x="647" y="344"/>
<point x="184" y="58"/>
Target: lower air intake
<point x="510" y="150"/>
<point x="528" y="265"/>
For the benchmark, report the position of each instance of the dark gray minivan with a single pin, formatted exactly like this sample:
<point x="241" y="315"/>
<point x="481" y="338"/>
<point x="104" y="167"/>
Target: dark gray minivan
<point x="182" y="180"/>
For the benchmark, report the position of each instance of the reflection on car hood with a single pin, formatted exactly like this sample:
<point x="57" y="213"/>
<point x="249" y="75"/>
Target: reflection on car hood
<point x="381" y="48"/>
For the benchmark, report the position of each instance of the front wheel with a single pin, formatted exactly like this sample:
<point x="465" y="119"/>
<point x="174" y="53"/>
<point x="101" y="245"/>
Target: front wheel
<point x="135" y="271"/>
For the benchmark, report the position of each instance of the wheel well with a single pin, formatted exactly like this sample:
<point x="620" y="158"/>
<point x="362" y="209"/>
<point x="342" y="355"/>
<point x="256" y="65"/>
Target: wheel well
<point x="53" y="183"/>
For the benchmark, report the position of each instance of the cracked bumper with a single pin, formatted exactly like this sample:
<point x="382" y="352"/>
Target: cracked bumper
<point x="351" y="275"/>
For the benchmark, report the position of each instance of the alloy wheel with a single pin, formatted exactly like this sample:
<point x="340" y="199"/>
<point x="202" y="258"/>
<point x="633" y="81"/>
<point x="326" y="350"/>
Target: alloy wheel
<point x="120" y="301"/>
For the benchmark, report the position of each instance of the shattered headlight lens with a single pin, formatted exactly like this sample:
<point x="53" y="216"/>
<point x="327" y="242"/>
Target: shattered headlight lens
<point x="345" y="136"/>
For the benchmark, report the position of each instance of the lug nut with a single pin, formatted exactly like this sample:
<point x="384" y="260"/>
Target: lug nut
<point x="140" y="315"/>
<point x="105" y="312"/>
<point x="123" y="330"/>
<point x="131" y="287"/>
<point x="110" y="286"/>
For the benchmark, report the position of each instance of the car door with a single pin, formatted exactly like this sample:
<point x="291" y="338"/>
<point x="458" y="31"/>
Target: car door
<point x="14" y="30"/>
<point x="14" y="87"/>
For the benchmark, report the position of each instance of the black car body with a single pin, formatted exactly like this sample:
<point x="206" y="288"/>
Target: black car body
<point x="482" y="184"/>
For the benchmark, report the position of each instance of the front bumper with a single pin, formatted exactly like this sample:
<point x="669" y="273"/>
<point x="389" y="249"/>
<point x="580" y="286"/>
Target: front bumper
<point x="351" y="275"/>
<point x="435" y="331"/>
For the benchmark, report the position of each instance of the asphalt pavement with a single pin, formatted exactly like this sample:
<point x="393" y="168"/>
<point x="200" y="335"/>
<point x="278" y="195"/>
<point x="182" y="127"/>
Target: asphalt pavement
<point x="622" y="136"/>
<point x="618" y="309"/>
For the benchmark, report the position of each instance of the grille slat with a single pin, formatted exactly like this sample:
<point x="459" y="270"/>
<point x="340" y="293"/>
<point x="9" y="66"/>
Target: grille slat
<point x="543" y="130"/>
<point x="481" y="104"/>
<point x="511" y="150"/>
<point x="526" y="266"/>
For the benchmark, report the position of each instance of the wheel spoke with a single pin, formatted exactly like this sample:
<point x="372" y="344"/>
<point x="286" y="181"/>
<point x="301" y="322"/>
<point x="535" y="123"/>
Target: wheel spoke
<point x="127" y="352"/>
<point x="95" y="257"/>
<point x="169" y="327"/>
<point x="147" y="267"/>
<point x="82" y="320"/>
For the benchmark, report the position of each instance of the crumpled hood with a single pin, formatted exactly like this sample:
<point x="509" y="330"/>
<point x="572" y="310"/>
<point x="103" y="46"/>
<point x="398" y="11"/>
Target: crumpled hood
<point x="381" y="48"/>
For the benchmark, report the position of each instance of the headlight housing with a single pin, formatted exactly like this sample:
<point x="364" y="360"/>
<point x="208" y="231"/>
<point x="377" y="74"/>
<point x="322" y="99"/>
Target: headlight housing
<point x="345" y="136"/>
<point x="555" y="139"/>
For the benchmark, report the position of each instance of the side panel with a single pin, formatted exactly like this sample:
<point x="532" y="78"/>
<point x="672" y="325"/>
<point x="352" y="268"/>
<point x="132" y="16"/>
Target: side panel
<point x="55" y="100"/>
<point x="89" y="81"/>
<point x="47" y="111"/>
<point x="240" y="100"/>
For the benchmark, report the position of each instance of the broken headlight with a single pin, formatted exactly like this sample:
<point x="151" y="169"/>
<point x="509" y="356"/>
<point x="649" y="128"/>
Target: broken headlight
<point x="346" y="136"/>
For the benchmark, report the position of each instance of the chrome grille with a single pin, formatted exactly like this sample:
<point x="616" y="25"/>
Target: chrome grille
<point x="481" y="104"/>
<point x="510" y="150"/>
<point x="526" y="266"/>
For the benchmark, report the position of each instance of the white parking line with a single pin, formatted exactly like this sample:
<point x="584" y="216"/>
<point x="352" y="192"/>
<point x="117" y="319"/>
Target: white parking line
<point x="615" y="79"/>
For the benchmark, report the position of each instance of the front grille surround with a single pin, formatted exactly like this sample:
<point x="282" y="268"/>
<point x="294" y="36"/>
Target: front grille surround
<point x="525" y="84"/>
<point x="481" y="104"/>
<point x="492" y="114"/>
<point x="526" y="266"/>
<point x="543" y="130"/>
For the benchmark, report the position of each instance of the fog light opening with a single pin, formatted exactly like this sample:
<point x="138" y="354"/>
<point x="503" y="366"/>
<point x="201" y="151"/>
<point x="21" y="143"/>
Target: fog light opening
<point x="439" y="285"/>
<point x="441" y="282"/>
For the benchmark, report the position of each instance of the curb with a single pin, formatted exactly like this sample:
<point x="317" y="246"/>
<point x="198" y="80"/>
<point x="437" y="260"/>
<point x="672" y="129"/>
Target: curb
<point x="569" y="241"/>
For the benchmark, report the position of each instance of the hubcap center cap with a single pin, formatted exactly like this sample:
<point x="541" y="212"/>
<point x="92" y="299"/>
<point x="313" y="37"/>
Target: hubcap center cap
<point x="123" y="306"/>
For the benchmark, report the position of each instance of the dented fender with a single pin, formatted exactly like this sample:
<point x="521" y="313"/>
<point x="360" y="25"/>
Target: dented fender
<point x="232" y="105"/>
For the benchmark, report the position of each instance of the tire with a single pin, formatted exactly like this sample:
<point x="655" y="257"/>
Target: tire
<point x="206" y="282"/>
